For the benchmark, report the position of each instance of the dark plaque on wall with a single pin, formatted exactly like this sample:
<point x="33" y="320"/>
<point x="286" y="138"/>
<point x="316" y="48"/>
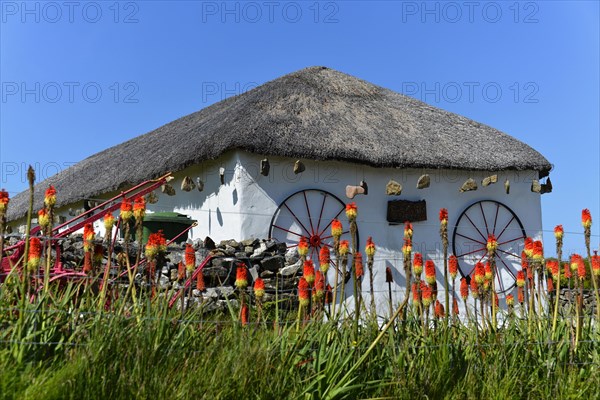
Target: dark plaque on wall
<point x="400" y="211"/>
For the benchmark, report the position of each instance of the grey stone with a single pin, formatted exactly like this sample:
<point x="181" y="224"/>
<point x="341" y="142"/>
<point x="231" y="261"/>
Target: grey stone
<point x="291" y="255"/>
<point x="265" y="167"/>
<point x="187" y="184"/>
<point x="468" y="186"/>
<point x="393" y="188"/>
<point x="299" y="167"/>
<point x="230" y="242"/>
<point x="249" y="250"/>
<point x="273" y="264"/>
<point x="250" y="242"/>
<point x="229" y="250"/>
<point x="253" y="272"/>
<point x="291" y="270"/>
<point x="240" y="254"/>
<point x="424" y="181"/>
<point x="267" y="274"/>
<point x="261" y="249"/>
<point x="489" y="180"/>
<point x="167" y="189"/>
<point x="535" y="186"/>
<point x="199" y="184"/>
<point x="507" y="186"/>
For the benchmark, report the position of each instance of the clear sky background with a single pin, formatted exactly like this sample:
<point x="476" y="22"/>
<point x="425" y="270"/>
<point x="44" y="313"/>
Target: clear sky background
<point x="78" y="77"/>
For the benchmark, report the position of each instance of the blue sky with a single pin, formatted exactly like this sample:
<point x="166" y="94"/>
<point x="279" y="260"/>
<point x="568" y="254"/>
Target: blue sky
<point x="78" y="77"/>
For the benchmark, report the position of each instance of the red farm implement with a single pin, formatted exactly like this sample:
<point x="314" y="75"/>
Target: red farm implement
<point x="13" y="256"/>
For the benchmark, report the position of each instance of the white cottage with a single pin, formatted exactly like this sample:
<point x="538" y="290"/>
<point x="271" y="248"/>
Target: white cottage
<point x="277" y="161"/>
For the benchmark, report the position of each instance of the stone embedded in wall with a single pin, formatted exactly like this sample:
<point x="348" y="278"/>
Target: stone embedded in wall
<point x="299" y="167"/>
<point x="547" y="186"/>
<point x="488" y="180"/>
<point x="468" y="186"/>
<point x="424" y="181"/>
<point x="507" y="186"/>
<point x="536" y="187"/>
<point x="187" y="184"/>
<point x="222" y="175"/>
<point x="151" y="198"/>
<point x="167" y="189"/>
<point x="265" y="167"/>
<point x="199" y="184"/>
<point x="393" y="188"/>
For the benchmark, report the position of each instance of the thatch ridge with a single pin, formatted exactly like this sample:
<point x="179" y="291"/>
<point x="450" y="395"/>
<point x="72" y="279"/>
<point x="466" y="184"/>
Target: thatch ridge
<point x="315" y="113"/>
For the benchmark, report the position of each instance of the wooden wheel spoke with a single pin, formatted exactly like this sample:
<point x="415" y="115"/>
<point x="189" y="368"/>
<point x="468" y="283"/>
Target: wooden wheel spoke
<point x="509" y="253"/>
<point x="476" y="228"/>
<point x="336" y="215"/>
<point x="508" y="269"/>
<point x="512" y="240"/>
<point x="484" y="219"/>
<point x="321" y="213"/>
<point x="286" y="230"/>
<point x="312" y="229"/>
<point x="471" y="252"/>
<point x="503" y="230"/>
<point x="470" y="238"/>
<point x="496" y="218"/>
<point x="297" y="219"/>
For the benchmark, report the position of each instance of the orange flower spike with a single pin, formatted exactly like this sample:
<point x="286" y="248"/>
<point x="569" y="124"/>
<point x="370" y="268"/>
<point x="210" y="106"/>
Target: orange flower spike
<point x="88" y="237"/>
<point x="358" y="265"/>
<point x="319" y="285"/>
<point x="417" y="264"/>
<point x="259" y="288"/>
<point x="524" y="260"/>
<point x="389" y="278"/>
<point x="241" y="277"/>
<point x="139" y="208"/>
<point x="126" y="210"/>
<point x="303" y="292"/>
<point x="488" y="271"/>
<point x="98" y="254"/>
<point x="510" y="300"/>
<point x="109" y="221"/>
<point x="581" y="272"/>
<point x="87" y="262"/>
<point x="50" y="197"/>
<point x="407" y="248"/>
<point x="528" y="247"/>
<point x="328" y="294"/>
<point x="586" y="218"/>
<point x="559" y="232"/>
<point x="453" y="266"/>
<point x="309" y="272"/>
<point x="200" y="285"/>
<point x="464" y="289"/>
<point x="303" y="247"/>
<point x="439" y="310"/>
<point x="416" y="294"/>
<point x="443" y="217"/>
<point x="408" y="230"/>
<point x="351" y="211"/>
<point x="43" y="218"/>
<point x="520" y="278"/>
<point x="567" y="270"/>
<point x="156" y="244"/>
<point x="190" y="257"/>
<point x="479" y="273"/>
<point x="427" y="294"/>
<point x="521" y="295"/>
<point x="550" y="285"/>
<point x="554" y="269"/>
<point x="576" y="261"/>
<point x="344" y="248"/>
<point x="455" y="307"/>
<point x="430" y="272"/>
<point x="370" y="248"/>
<point x="324" y="259"/>
<point x="596" y="264"/>
<point x="180" y="271"/>
<point x="244" y="314"/>
<point x="492" y="244"/>
<point x="35" y="253"/>
<point x="474" y="289"/>
<point x="4" y="199"/>
<point x="496" y="299"/>
<point x="336" y="228"/>
<point x="538" y="251"/>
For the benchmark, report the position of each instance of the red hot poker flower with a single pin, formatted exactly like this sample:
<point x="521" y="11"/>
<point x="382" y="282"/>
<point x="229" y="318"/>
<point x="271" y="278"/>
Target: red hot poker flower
<point x="586" y="218"/>
<point x="510" y="300"/>
<point x="408" y="230"/>
<point x="200" y="285"/>
<point x="351" y="211"/>
<point x="157" y="243"/>
<point x="109" y="221"/>
<point x="407" y="248"/>
<point x="427" y="294"/>
<point x="303" y="247"/>
<point x="567" y="270"/>
<point x="429" y="272"/>
<point x="554" y="269"/>
<point x="464" y="289"/>
<point x="259" y="288"/>
<point x="126" y="210"/>
<point x="4" y="199"/>
<point x="596" y="264"/>
<point x="444" y="216"/>
<point x="336" y="228"/>
<point x="370" y="248"/>
<point x="576" y="262"/>
<point x="416" y="294"/>
<point x="358" y="265"/>
<point x="303" y="292"/>
<point x="50" y="197"/>
<point x="453" y="266"/>
<point x="309" y="272"/>
<point x="521" y="278"/>
<point x="319" y="285"/>
<point x="559" y="231"/>
<point x="521" y="295"/>
<point x="139" y="208"/>
<point x="344" y="248"/>
<point x="528" y="247"/>
<point x="324" y="259"/>
<point x="35" y="253"/>
<point x="550" y="285"/>
<point x="43" y="218"/>
<point x="492" y="244"/>
<point x="479" y="273"/>
<point x="474" y="289"/>
<point x="488" y="272"/>
<point x="538" y="251"/>
<point x="190" y="257"/>
<point x="439" y="310"/>
<point x="88" y="237"/>
<point x="455" y="307"/>
<point x="417" y="264"/>
<point x="244" y="314"/>
<point x="241" y="277"/>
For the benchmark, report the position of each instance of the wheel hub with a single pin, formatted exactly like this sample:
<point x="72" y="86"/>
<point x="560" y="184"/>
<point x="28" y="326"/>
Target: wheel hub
<point x="315" y="241"/>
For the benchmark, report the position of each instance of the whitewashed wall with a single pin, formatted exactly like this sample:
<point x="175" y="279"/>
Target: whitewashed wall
<point x="242" y="208"/>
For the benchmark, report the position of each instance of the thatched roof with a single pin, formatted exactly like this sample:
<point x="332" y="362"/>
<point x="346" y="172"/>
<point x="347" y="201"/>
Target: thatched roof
<point x="315" y="113"/>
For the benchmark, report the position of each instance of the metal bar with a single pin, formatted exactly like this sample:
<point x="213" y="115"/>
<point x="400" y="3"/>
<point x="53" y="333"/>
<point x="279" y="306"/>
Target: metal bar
<point x="190" y="280"/>
<point x="471" y="252"/>
<point x="470" y="238"/>
<point x="509" y="222"/>
<point x="484" y="238"/>
<point x="294" y="215"/>
<point x="496" y="218"/>
<point x="337" y="215"/>
<point x="322" y="208"/>
<point x="312" y="229"/>
<point x="287" y="230"/>
<point x="484" y="219"/>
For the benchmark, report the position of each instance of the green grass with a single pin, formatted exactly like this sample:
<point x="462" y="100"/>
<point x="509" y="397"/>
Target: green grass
<point x="67" y="350"/>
